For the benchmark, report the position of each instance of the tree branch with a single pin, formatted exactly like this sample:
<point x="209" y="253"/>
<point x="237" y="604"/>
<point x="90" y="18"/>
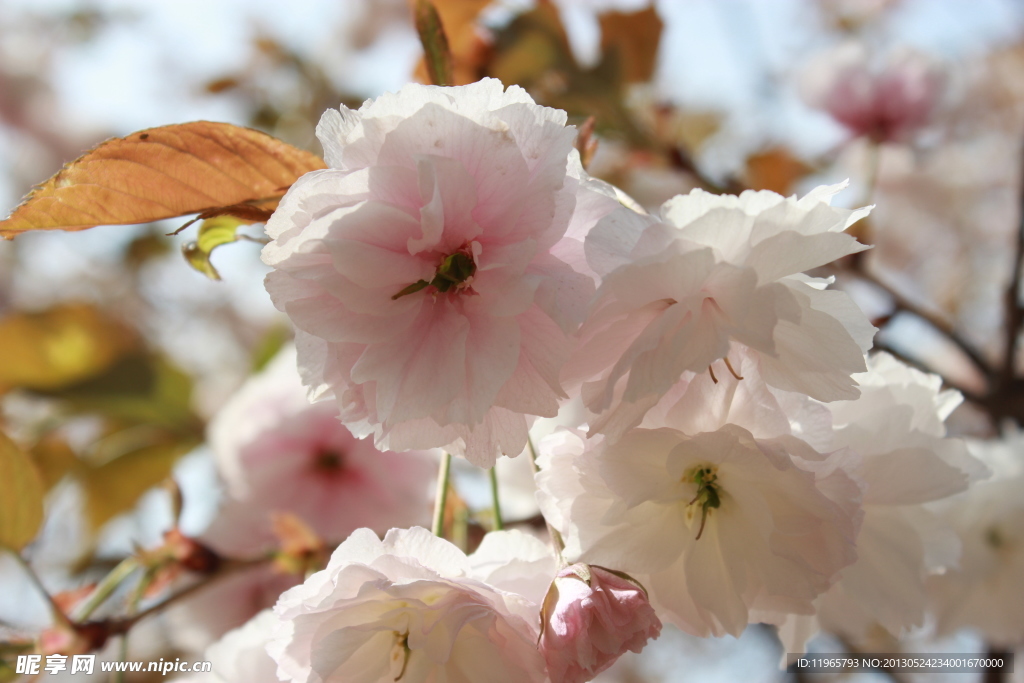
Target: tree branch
<point x="1014" y="312"/>
<point x="940" y="324"/>
<point x="120" y="626"/>
<point x="924" y="367"/>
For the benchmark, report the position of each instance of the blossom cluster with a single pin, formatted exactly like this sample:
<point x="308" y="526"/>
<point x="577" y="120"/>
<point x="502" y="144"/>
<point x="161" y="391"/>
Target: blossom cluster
<point x="456" y="275"/>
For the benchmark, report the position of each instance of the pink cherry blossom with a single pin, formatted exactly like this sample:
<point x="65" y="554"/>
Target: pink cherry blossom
<point x="886" y="102"/>
<point x="279" y="453"/>
<point x="421" y="268"/>
<point x="591" y="618"/>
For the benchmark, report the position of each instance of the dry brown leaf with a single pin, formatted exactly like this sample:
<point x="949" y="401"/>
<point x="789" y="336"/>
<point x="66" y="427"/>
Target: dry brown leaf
<point x="468" y="47"/>
<point x="633" y="39"/>
<point x="163" y="172"/>
<point x="776" y="170"/>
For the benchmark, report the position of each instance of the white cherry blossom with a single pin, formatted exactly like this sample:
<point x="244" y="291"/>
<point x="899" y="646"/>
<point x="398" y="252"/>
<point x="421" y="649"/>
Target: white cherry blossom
<point x="713" y="505"/>
<point x="414" y="608"/>
<point x="678" y="290"/>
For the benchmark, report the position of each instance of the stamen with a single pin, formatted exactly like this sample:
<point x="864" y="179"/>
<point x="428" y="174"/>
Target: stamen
<point x="454" y="272"/>
<point x="732" y="369"/>
<point x="403" y="653"/>
<point x="711" y="370"/>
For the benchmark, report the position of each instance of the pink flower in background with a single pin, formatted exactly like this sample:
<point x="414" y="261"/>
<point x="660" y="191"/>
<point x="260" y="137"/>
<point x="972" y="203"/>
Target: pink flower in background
<point x="886" y="102"/>
<point x="279" y="453"/>
<point x="420" y="269"/>
<point x="591" y="618"/>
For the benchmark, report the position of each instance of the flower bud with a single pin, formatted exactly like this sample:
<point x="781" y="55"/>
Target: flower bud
<point x="591" y="616"/>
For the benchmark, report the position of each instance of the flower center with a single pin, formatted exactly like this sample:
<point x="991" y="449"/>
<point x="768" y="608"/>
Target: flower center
<point x="328" y="460"/>
<point x="709" y="493"/>
<point x="399" y="659"/>
<point x="994" y="538"/>
<point x="454" y="272"/>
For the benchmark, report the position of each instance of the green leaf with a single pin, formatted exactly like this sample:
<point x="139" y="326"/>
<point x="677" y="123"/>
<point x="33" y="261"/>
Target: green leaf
<point x="435" y="43"/>
<point x="21" y="496"/>
<point x="212" y="233"/>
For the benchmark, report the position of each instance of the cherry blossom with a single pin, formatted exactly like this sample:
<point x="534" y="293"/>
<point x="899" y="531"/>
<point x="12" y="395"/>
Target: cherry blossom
<point x="241" y="655"/>
<point x="887" y="101"/>
<point x="897" y="427"/>
<point x="677" y="290"/>
<point x="591" y="617"/>
<point x="414" y="608"/>
<point x="422" y="268"/>
<point x="985" y="592"/>
<point x="279" y="453"/>
<point x="714" y="504"/>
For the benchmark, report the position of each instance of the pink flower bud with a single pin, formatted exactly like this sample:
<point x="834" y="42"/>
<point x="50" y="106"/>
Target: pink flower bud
<point x="591" y="617"/>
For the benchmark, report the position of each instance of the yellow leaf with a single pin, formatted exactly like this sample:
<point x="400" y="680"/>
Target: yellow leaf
<point x="693" y="128"/>
<point x="632" y="40"/>
<point x="213" y="233"/>
<point x="54" y="458"/>
<point x="66" y="344"/>
<point x="200" y="167"/>
<point x="21" y="496"/>
<point x="114" y="487"/>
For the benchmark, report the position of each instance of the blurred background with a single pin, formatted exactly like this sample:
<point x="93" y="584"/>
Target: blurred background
<point x="114" y="351"/>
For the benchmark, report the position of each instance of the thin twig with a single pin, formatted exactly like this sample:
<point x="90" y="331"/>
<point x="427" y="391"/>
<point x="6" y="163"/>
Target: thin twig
<point x="123" y="625"/>
<point x="940" y="324"/>
<point x="58" y="613"/>
<point x="1014" y="311"/>
<point x="968" y="394"/>
<point x="106" y="588"/>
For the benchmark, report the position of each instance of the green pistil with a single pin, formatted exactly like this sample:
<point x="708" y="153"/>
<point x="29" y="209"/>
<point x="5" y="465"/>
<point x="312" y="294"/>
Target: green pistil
<point x="708" y="496"/>
<point x="454" y="270"/>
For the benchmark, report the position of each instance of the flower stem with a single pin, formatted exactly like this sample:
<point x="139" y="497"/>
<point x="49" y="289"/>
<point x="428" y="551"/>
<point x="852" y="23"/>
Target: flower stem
<point x="106" y="588"/>
<point x="499" y="523"/>
<point x="58" y="613"/>
<point x="441" y="498"/>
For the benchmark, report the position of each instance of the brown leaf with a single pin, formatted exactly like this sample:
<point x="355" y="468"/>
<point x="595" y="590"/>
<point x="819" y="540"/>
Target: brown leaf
<point x="468" y="46"/>
<point x="632" y="39"/>
<point x="163" y="173"/>
<point x="775" y="169"/>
